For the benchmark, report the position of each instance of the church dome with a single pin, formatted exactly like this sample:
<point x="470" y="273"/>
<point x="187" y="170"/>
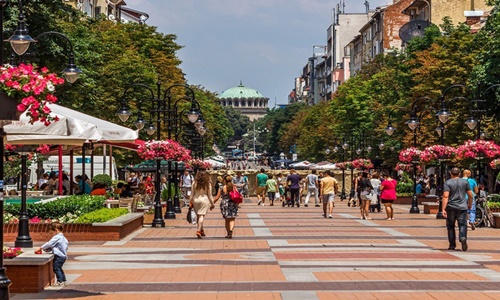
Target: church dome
<point x="240" y="91"/>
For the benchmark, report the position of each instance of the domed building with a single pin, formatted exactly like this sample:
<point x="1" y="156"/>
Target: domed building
<point x="248" y="101"/>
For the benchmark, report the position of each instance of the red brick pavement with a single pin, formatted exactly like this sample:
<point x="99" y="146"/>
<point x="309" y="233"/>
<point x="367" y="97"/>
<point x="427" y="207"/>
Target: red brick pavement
<point x="287" y="253"/>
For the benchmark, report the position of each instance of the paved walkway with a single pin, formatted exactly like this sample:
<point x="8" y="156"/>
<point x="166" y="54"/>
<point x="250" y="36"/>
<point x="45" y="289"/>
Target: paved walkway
<point x="287" y="253"/>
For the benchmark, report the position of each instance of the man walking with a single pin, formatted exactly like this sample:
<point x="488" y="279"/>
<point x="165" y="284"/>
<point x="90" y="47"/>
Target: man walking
<point x="312" y="187"/>
<point x="261" y="186"/>
<point x="185" y="185"/>
<point x="328" y="188"/>
<point x="457" y="198"/>
<point x="294" y="187"/>
<point x="474" y="189"/>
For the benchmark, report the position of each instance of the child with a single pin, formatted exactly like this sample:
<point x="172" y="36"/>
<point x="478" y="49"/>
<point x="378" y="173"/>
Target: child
<point x="58" y="244"/>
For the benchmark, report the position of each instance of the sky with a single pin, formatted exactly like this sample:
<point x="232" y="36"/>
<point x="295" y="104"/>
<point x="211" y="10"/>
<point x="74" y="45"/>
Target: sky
<point x="263" y="43"/>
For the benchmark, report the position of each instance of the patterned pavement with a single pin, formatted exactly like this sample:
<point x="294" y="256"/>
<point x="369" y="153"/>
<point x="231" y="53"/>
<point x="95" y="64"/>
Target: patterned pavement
<point x="286" y="253"/>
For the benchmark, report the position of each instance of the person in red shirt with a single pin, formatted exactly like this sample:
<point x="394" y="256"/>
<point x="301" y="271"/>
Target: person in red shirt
<point x="99" y="189"/>
<point x="388" y="194"/>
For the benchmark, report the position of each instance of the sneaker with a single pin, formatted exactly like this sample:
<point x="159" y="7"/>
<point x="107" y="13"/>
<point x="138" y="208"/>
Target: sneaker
<point x="317" y="205"/>
<point x="330" y="216"/>
<point x="472" y="226"/>
<point x="259" y="202"/>
<point x="58" y="284"/>
<point x="305" y="205"/>
<point x="463" y="241"/>
<point x="324" y="215"/>
<point x="262" y="204"/>
<point x="451" y="248"/>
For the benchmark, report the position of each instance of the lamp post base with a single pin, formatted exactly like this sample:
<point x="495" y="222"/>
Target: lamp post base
<point x="414" y="205"/>
<point x="158" y="220"/>
<point x="23" y="239"/>
<point x="177" y="207"/>
<point x="4" y="285"/>
<point x="169" y="214"/>
<point x="439" y="214"/>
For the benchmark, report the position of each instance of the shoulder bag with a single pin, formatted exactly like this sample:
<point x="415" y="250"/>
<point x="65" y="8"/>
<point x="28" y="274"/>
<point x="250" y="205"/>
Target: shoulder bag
<point x="235" y="196"/>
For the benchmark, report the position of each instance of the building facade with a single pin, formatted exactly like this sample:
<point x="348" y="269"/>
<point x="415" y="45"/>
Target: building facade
<point x="114" y="10"/>
<point x="248" y="101"/>
<point x="435" y="10"/>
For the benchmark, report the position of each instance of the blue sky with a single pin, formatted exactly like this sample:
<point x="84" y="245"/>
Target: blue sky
<point x="264" y="43"/>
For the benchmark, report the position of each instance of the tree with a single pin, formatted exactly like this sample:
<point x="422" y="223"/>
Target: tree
<point x="239" y="122"/>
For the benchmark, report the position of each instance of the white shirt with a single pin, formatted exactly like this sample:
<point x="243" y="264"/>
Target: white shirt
<point x="58" y="244"/>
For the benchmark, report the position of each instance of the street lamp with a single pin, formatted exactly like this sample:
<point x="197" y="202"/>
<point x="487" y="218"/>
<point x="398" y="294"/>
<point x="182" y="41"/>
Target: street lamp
<point x="160" y="110"/>
<point x="20" y="42"/>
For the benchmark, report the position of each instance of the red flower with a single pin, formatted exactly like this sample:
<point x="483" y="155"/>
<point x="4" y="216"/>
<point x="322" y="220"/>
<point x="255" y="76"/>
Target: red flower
<point x="407" y="155"/>
<point x="167" y="150"/>
<point x="478" y="149"/>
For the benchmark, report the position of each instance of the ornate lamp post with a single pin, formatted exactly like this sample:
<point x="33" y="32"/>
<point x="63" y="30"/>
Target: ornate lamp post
<point x="20" y="42"/>
<point x="160" y="112"/>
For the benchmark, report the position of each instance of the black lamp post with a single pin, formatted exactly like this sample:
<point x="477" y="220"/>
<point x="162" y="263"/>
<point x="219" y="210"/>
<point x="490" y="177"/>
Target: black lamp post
<point x="23" y="238"/>
<point x="20" y="42"/>
<point x="161" y="112"/>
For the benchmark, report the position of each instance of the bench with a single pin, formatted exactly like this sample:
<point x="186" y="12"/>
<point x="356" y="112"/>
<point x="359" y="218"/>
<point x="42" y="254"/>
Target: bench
<point x="431" y="207"/>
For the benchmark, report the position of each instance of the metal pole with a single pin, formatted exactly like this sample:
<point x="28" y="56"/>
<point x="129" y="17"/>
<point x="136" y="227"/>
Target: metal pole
<point x="23" y="238"/>
<point x="169" y="213"/>
<point x="177" y="205"/>
<point x="439" y="214"/>
<point x="414" y="200"/>
<point x="343" y="196"/>
<point x="4" y="280"/>
<point x="158" y="220"/>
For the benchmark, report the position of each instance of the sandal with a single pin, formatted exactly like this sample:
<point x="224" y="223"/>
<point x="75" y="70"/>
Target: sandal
<point x="229" y="234"/>
<point x="198" y="234"/>
<point x="202" y="232"/>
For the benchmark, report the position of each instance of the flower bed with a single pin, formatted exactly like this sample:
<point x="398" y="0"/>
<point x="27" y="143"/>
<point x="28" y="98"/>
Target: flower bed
<point x="9" y="252"/>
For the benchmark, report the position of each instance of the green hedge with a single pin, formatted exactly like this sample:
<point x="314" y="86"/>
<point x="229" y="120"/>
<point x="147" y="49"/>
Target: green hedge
<point x="102" y="215"/>
<point x="78" y="205"/>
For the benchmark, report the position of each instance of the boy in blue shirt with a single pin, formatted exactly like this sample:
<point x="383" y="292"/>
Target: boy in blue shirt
<point x="58" y="244"/>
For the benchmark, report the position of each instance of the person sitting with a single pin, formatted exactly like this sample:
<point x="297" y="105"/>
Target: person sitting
<point x="99" y="189"/>
<point x="119" y="188"/>
<point x="126" y="192"/>
<point x="419" y="190"/>
<point x="141" y="190"/>
<point x="83" y="186"/>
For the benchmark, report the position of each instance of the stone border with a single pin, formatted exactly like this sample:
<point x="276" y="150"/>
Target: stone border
<point x="113" y="230"/>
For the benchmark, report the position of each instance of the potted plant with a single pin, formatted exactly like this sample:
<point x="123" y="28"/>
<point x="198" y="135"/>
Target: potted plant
<point x="167" y="150"/>
<point x="25" y="88"/>
<point x="410" y="155"/>
<point x="437" y="153"/>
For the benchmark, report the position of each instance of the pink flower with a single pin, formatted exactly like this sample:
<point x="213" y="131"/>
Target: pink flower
<point x="407" y="155"/>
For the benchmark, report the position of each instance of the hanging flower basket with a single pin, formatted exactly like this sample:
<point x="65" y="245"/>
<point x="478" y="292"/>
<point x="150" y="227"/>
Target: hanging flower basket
<point x="478" y="149"/>
<point x="198" y="164"/>
<point x="31" y="88"/>
<point x="495" y="164"/>
<point x="437" y="153"/>
<point x="362" y="164"/>
<point x="344" y="165"/>
<point x="406" y="167"/>
<point x="167" y="150"/>
<point x="410" y="155"/>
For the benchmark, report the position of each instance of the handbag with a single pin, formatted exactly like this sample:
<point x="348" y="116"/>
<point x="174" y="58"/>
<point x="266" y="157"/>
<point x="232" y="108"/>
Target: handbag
<point x="191" y="216"/>
<point x="235" y="196"/>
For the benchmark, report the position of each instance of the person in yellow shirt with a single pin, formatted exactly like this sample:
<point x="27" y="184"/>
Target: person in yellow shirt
<point x="328" y="188"/>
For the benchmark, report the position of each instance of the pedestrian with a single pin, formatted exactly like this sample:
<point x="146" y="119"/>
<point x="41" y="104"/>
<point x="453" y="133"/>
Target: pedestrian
<point x="228" y="208"/>
<point x="312" y="188"/>
<point x="457" y="199"/>
<point x="375" y="203"/>
<point x="239" y="182"/>
<point x="58" y="244"/>
<point x="294" y="186"/>
<point x="365" y="194"/>
<point x="328" y="189"/>
<point x="218" y="185"/>
<point x="281" y="186"/>
<point x="185" y="185"/>
<point x="261" y="179"/>
<point x="474" y="189"/>
<point x="271" y="188"/>
<point x="201" y="199"/>
<point x="388" y="194"/>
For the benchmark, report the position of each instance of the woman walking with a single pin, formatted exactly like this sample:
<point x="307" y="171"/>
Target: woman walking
<point x="365" y="190"/>
<point x="228" y="208"/>
<point x="201" y="199"/>
<point x="388" y="194"/>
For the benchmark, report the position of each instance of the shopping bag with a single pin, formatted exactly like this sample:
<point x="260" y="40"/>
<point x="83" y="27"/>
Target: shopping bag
<point x="235" y="196"/>
<point x="191" y="216"/>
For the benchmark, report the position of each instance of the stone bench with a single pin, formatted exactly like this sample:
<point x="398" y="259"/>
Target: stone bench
<point x="431" y="207"/>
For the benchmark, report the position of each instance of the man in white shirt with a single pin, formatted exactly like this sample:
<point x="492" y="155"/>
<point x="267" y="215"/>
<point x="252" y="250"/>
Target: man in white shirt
<point x="312" y="187"/>
<point x="185" y="185"/>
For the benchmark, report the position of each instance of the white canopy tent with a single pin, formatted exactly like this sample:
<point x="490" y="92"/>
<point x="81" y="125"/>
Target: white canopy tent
<point x="73" y="128"/>
<point x="301" y="165"/>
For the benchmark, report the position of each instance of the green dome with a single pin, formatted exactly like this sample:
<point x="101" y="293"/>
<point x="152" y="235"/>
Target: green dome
<point x="240" y="91"/>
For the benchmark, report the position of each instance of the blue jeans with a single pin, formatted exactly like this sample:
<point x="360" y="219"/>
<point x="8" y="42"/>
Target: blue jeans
<point x="456" y="215"/>
<point x="472" y="212"/>
<point x="57" y="267"/>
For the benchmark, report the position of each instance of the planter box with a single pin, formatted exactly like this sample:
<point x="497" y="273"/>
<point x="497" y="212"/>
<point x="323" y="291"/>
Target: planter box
<point x="407" y="200"/>
<point x="113" y="230"/>
<point x="496" y="216"/>
<point x="29" y="273"/>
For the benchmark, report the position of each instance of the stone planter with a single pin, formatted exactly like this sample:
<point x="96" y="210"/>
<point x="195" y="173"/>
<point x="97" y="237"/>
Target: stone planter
<point x="496" y="216"/>
<point x="9" y="108"/>
<point x="29" y="272"/>
<point x="113" y="230"/>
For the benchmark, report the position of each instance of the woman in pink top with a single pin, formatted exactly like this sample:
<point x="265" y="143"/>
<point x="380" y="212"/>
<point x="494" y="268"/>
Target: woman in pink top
<point x="388" y="194"/>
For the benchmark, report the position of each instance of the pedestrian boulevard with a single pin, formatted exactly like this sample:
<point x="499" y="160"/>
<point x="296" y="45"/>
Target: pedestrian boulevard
<point x="286" y="253"/>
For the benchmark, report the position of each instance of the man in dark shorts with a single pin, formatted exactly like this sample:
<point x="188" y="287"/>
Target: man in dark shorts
<point x="457" y="199"/>
<point x="294" y="187"/>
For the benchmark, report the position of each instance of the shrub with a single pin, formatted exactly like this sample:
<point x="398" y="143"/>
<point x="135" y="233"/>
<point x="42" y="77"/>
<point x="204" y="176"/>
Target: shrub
<point x="102" y="215"/>
<point x="74" y="205"/>
<point x="102" y="178"/>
